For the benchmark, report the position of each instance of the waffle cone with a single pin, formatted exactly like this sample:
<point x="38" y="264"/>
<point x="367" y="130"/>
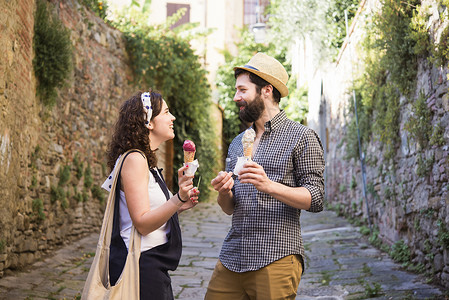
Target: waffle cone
<point x="189" y="156"/>
<point x="248" y="150"/>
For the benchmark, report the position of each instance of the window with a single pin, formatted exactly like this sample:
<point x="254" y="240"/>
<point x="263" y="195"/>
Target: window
<point x="250" y="10"/>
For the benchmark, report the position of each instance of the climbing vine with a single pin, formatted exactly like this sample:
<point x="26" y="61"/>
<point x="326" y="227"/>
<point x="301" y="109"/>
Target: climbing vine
<point x="393" y="43"/>
<point x="165" y="61"/>
<point x="53" y="53"/>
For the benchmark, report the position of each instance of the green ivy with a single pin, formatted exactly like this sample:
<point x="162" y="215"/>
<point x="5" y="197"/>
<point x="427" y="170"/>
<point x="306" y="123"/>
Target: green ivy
<point x="53" y="53"/>
<point x="419" y="125"/>
<point x="162" y="59"/>
<point x="392" y="45"/>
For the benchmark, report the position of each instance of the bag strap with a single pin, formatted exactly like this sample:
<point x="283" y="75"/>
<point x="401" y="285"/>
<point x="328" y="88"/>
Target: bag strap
<point x="160" y="180"/>
<point x="106" y="229"/>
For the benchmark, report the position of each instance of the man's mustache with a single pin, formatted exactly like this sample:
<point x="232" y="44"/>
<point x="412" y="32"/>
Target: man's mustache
<point x="241" y="104"/>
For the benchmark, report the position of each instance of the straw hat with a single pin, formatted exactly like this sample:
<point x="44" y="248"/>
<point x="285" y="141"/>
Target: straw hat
<point x="269" y="69"/>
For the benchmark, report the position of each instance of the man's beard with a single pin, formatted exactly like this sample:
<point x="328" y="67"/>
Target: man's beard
<point x="253" y="110"/>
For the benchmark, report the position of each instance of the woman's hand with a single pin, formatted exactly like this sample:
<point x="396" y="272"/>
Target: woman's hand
<point x="185" y="183"/>
<point x="193" y="200"/>
<point x="187" y="191"/>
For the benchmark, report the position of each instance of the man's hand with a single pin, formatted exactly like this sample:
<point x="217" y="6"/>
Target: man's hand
<point x="254" y="173"/>
<point x="223" y="183"/>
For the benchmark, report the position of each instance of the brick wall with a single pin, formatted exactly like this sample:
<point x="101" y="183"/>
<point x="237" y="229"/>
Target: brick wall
<point x="36" y="143"/>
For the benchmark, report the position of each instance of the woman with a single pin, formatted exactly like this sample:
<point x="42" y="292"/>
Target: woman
<point x="144" y="123"/>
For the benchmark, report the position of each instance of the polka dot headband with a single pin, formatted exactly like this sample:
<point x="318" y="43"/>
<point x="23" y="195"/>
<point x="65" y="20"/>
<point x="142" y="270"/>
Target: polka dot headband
<point x="146" y="102"/>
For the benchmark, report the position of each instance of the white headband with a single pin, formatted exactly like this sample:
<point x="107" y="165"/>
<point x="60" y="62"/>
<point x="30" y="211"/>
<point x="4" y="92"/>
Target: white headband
<point x="146" y="102"/>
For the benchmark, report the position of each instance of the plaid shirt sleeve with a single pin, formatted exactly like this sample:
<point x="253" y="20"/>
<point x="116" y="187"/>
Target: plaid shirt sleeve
<point x="309" y="167"/>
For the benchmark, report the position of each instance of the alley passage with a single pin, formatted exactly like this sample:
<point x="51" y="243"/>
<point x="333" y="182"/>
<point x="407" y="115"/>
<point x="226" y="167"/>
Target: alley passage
<point x="341" y="264"/>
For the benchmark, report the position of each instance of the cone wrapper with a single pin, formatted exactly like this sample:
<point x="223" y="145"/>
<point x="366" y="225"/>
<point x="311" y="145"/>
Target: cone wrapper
<point x="239" y="165"/>
<point x="193" y="166"/>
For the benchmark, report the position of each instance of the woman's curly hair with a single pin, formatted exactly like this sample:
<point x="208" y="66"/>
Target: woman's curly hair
<point x="130" y="131"/>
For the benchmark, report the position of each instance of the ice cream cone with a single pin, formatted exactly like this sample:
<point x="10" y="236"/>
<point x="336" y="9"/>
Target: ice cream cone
<point x="248" y="150"/>
<point x="248" y="142"/>
<point x="189" y="156"/>
<point x="189" y="151"/>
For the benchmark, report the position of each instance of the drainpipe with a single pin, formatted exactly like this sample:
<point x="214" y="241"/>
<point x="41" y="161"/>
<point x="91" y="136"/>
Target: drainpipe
<point x="361" y="154"/>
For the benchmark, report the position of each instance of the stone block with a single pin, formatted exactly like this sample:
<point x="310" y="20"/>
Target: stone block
<point x="446" y="257"/>
<point x="435" y="202"/>
<point x="445" y="278"/>
<point x="438" y="262"/>
<point x="445" y="100"/>
<point x="26" y="258"/>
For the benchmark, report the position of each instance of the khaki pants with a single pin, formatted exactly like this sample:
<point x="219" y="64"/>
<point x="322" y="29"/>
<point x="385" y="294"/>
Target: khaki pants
<point x="278" y="280"/>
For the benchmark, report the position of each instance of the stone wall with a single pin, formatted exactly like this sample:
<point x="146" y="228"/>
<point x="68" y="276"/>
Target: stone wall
<point x="403" y="205"/>
<point x="38" y="210"/>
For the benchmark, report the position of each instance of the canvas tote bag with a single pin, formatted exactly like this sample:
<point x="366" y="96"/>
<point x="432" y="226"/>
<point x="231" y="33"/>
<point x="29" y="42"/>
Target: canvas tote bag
<point x="97" y="285"/>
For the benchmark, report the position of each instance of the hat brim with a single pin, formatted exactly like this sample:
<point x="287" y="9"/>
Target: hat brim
<point x="279" y="85"/>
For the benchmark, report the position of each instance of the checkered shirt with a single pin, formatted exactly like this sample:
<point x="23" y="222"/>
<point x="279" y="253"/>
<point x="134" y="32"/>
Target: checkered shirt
<point x="265" y="229"/>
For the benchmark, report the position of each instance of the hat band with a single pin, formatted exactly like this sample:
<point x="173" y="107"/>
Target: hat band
<point x="250" y="67"/>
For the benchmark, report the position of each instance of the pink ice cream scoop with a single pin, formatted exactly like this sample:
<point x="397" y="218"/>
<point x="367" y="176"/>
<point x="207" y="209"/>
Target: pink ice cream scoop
<point x="189" y="146"/>
<point x="189" y="151"/>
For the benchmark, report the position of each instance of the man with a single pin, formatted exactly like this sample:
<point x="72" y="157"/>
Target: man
<point x="263" y="255"/>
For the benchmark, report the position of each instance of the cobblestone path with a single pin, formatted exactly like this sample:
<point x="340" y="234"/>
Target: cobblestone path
<point x="340" y="264"/>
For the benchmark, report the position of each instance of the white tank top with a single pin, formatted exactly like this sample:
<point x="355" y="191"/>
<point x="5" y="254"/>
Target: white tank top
<point x="157" y="198"/>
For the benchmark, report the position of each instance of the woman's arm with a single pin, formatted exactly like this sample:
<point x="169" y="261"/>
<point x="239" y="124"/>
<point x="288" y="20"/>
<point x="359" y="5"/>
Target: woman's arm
<point x="135" y="177"/>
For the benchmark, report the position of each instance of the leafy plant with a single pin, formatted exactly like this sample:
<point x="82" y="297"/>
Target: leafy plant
<point x="400" y="252"/>
<point x="88" y="180"/>
<point x="424" y="165"/>
<point x="335" y="20"/>
<point x="53" y="53"/>
<point x="64" y="176"/>
<point x="38" y="209"/>
<point x="437" y="138"/>
<point x="99" y="7"/>
<point x="97" y="193"/>
<point x="372" y="290"/>
<point x="391" y="60"/>
<point x="79" y="167"/>
<point x="419" y="125"/>
<point x="443" y="234"/>
<point x="57" y="193"/>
